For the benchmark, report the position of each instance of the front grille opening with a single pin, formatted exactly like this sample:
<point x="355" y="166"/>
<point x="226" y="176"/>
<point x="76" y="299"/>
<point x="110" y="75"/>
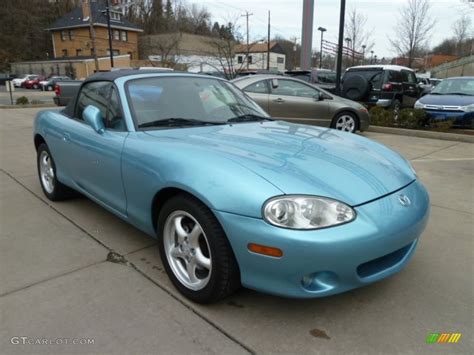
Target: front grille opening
<point x="384" y="262"/>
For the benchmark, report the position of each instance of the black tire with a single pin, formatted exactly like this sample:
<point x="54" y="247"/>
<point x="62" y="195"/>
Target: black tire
<point x="355" y="88"/>
<point x="224" y="278"/>
<point x="60" y="191"/>
<point x="354" y="127"/>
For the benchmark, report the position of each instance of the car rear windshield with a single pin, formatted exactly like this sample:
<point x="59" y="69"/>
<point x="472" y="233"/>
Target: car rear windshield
<point x="373" y="76"/>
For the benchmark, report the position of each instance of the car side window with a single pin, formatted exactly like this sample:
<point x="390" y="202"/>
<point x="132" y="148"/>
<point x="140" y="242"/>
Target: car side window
<point x="114" y="119"/>
<point x="408" y="77"/>
<point x="294" y="88"/>
<point x="260" y="87"/>
<point x="94" y="93"/>
<point x="394" y="77"/>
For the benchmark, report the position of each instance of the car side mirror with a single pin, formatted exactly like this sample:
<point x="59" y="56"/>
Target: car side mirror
<point x="319" y="96"/>
<point x="274" y="83"/>
<point x="93" y="117"/>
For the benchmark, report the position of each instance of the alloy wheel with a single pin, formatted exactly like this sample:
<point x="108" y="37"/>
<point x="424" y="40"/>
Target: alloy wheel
<point x="46" y="172"/>
<point x="345" y="123"/>
<point x="187" y="250"/>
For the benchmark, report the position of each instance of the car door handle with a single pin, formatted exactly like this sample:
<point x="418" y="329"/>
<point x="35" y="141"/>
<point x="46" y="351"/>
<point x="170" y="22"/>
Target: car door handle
<point x="279" y="100"/>
<point x="66" y="137"/>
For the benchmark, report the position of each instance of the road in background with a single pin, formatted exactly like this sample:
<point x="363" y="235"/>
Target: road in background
<point x="31" y="94"/>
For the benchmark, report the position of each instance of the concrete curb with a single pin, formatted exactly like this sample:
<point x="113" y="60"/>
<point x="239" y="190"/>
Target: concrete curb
<point x="6" y="107"/>
<point x="423" y="134"/>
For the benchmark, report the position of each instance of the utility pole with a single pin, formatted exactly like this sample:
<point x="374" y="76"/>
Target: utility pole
<point x="340" y="46"/>
<point x="268" y="43"/>
<point x="322" y="29"/>
<point x="109" y="29"/>
<point x="307" y="34"/>
<point x="92" y="29"/>
<point x="247" y="15"/>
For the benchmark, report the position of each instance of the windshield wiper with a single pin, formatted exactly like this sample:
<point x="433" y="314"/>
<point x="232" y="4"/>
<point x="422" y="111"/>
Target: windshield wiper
<point x="249" y="118"/>
<point x="177" y="122"/>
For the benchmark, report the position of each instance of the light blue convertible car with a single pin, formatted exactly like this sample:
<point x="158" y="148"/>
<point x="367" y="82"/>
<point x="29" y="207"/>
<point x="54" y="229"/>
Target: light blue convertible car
<point x="233" y="197"/>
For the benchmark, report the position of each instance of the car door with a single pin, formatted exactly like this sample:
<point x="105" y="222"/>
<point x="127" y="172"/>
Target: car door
<point x="259" y="92"/>
<point x="411" y="92"/>
<point x="297" y="101"/>
<point x="95" y="158"/>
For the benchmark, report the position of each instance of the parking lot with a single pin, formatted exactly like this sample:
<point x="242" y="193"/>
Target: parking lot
<point x="60" y="279"/>
<point x="32" y="95"/>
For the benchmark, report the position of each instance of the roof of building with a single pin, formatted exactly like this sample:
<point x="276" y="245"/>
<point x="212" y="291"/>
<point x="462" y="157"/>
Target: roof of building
<point x="76" y="19"/>
<point x="259" y="48"/>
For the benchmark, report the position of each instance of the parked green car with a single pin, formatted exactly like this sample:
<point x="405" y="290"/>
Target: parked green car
<point x="297" y="101"/>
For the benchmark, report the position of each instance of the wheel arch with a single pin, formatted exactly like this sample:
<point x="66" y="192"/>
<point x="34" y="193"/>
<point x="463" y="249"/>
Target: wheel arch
<point x="38" y="140"/>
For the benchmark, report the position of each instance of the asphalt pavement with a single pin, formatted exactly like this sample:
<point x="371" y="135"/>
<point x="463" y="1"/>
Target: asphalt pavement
<point x="62" y="287"/>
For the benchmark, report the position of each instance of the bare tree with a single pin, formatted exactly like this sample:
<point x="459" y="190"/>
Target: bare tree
<point x="413" y="29"/>
<point x="356" y="29"/>
<point x="462" y="31"/>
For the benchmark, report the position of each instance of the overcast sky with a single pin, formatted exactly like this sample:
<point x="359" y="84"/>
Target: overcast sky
<point x="286" y="18"/>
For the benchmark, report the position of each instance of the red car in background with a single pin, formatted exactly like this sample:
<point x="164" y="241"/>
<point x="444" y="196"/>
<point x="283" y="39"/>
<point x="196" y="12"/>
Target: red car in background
<point x="33" y="83"/>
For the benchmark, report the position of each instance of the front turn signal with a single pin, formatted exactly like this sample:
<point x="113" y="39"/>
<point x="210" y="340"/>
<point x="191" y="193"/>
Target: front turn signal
<point x="265" y="250"/>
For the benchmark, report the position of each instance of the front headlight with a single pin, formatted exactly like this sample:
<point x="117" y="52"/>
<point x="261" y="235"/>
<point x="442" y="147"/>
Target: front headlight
<point x="468" y="108"/>
<point x="418" y="104"/>
<point x="306" y="212"/>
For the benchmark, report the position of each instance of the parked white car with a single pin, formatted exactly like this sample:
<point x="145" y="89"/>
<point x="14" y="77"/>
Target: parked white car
<point x="18" y="81"/>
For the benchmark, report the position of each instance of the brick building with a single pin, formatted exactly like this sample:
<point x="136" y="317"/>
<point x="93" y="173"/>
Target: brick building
<point x="72" y="37"/>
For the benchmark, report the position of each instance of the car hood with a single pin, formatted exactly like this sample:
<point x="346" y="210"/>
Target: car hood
<point x="447" y="100"/>
<point x="300" y="159"/>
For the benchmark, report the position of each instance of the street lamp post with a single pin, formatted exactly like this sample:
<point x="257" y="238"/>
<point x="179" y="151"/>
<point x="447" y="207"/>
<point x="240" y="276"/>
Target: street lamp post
<point x="371" y="57"/>
<point x="363" y="53"/>
<point x="375" y="59"/>
<point x="348" y="41"/>
<point x="322" y="29"/>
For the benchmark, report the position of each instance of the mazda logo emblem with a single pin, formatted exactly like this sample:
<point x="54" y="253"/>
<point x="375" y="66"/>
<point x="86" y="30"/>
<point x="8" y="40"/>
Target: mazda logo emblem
<point x="404" y="200"/>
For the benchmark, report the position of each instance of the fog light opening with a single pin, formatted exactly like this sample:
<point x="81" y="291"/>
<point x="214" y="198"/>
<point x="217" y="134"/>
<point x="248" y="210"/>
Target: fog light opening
<point x="321" y="281"/>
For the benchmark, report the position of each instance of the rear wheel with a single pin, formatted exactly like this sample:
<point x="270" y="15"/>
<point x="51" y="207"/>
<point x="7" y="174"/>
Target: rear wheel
<point x="396" y="107"/>
<point x="35" y="86"/>
<point x="345" y="121"/>
<point x="195" y="251"/>
<point x="52" y="188"/>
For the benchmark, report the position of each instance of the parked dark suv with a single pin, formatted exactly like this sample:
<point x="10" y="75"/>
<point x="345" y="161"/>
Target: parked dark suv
<point x="389" y="86"/>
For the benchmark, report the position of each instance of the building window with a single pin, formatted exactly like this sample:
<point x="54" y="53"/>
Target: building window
<point x="124" y="36"/>
<point x="250" y="59"/>
<point x="281" y="60"/>
<point x="63" y="35"/>
<point x="240" y="59"/>
<point x="131" y="55"/>
<point x="116" y="35"/>
<point x="71" y="34"/>
<point x="64" y="52"/>
<point x="115" y="16"/>
<point x="114" y="52"/>
<point x="78" y="52"/>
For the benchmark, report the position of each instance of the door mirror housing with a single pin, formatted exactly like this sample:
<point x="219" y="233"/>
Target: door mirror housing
<point x="274" y="83"/>
<point x="93" y="117"/>
<point x="319" y="96"/>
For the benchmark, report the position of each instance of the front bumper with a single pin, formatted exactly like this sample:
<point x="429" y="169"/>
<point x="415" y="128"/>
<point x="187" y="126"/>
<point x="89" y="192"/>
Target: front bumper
<point x="461" y="118"/>
<point x="377" y="244"/>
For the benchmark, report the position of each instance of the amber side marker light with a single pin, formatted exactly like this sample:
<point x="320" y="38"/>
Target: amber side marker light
<point x="264" y="250"/>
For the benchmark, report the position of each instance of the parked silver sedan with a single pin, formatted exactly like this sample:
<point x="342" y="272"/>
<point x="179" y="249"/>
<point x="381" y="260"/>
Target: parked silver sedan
<point x="297" y="101"/>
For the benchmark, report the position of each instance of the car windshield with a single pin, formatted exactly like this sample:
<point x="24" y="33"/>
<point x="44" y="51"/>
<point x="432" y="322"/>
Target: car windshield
<point x="187" y="100"/>
<point x="463" y="86"/>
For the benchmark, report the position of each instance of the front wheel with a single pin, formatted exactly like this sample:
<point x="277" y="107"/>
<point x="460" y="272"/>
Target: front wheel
<point x="195" y="251"/>
<point x="346" y="121"/>
<point x="52" y="188"/>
